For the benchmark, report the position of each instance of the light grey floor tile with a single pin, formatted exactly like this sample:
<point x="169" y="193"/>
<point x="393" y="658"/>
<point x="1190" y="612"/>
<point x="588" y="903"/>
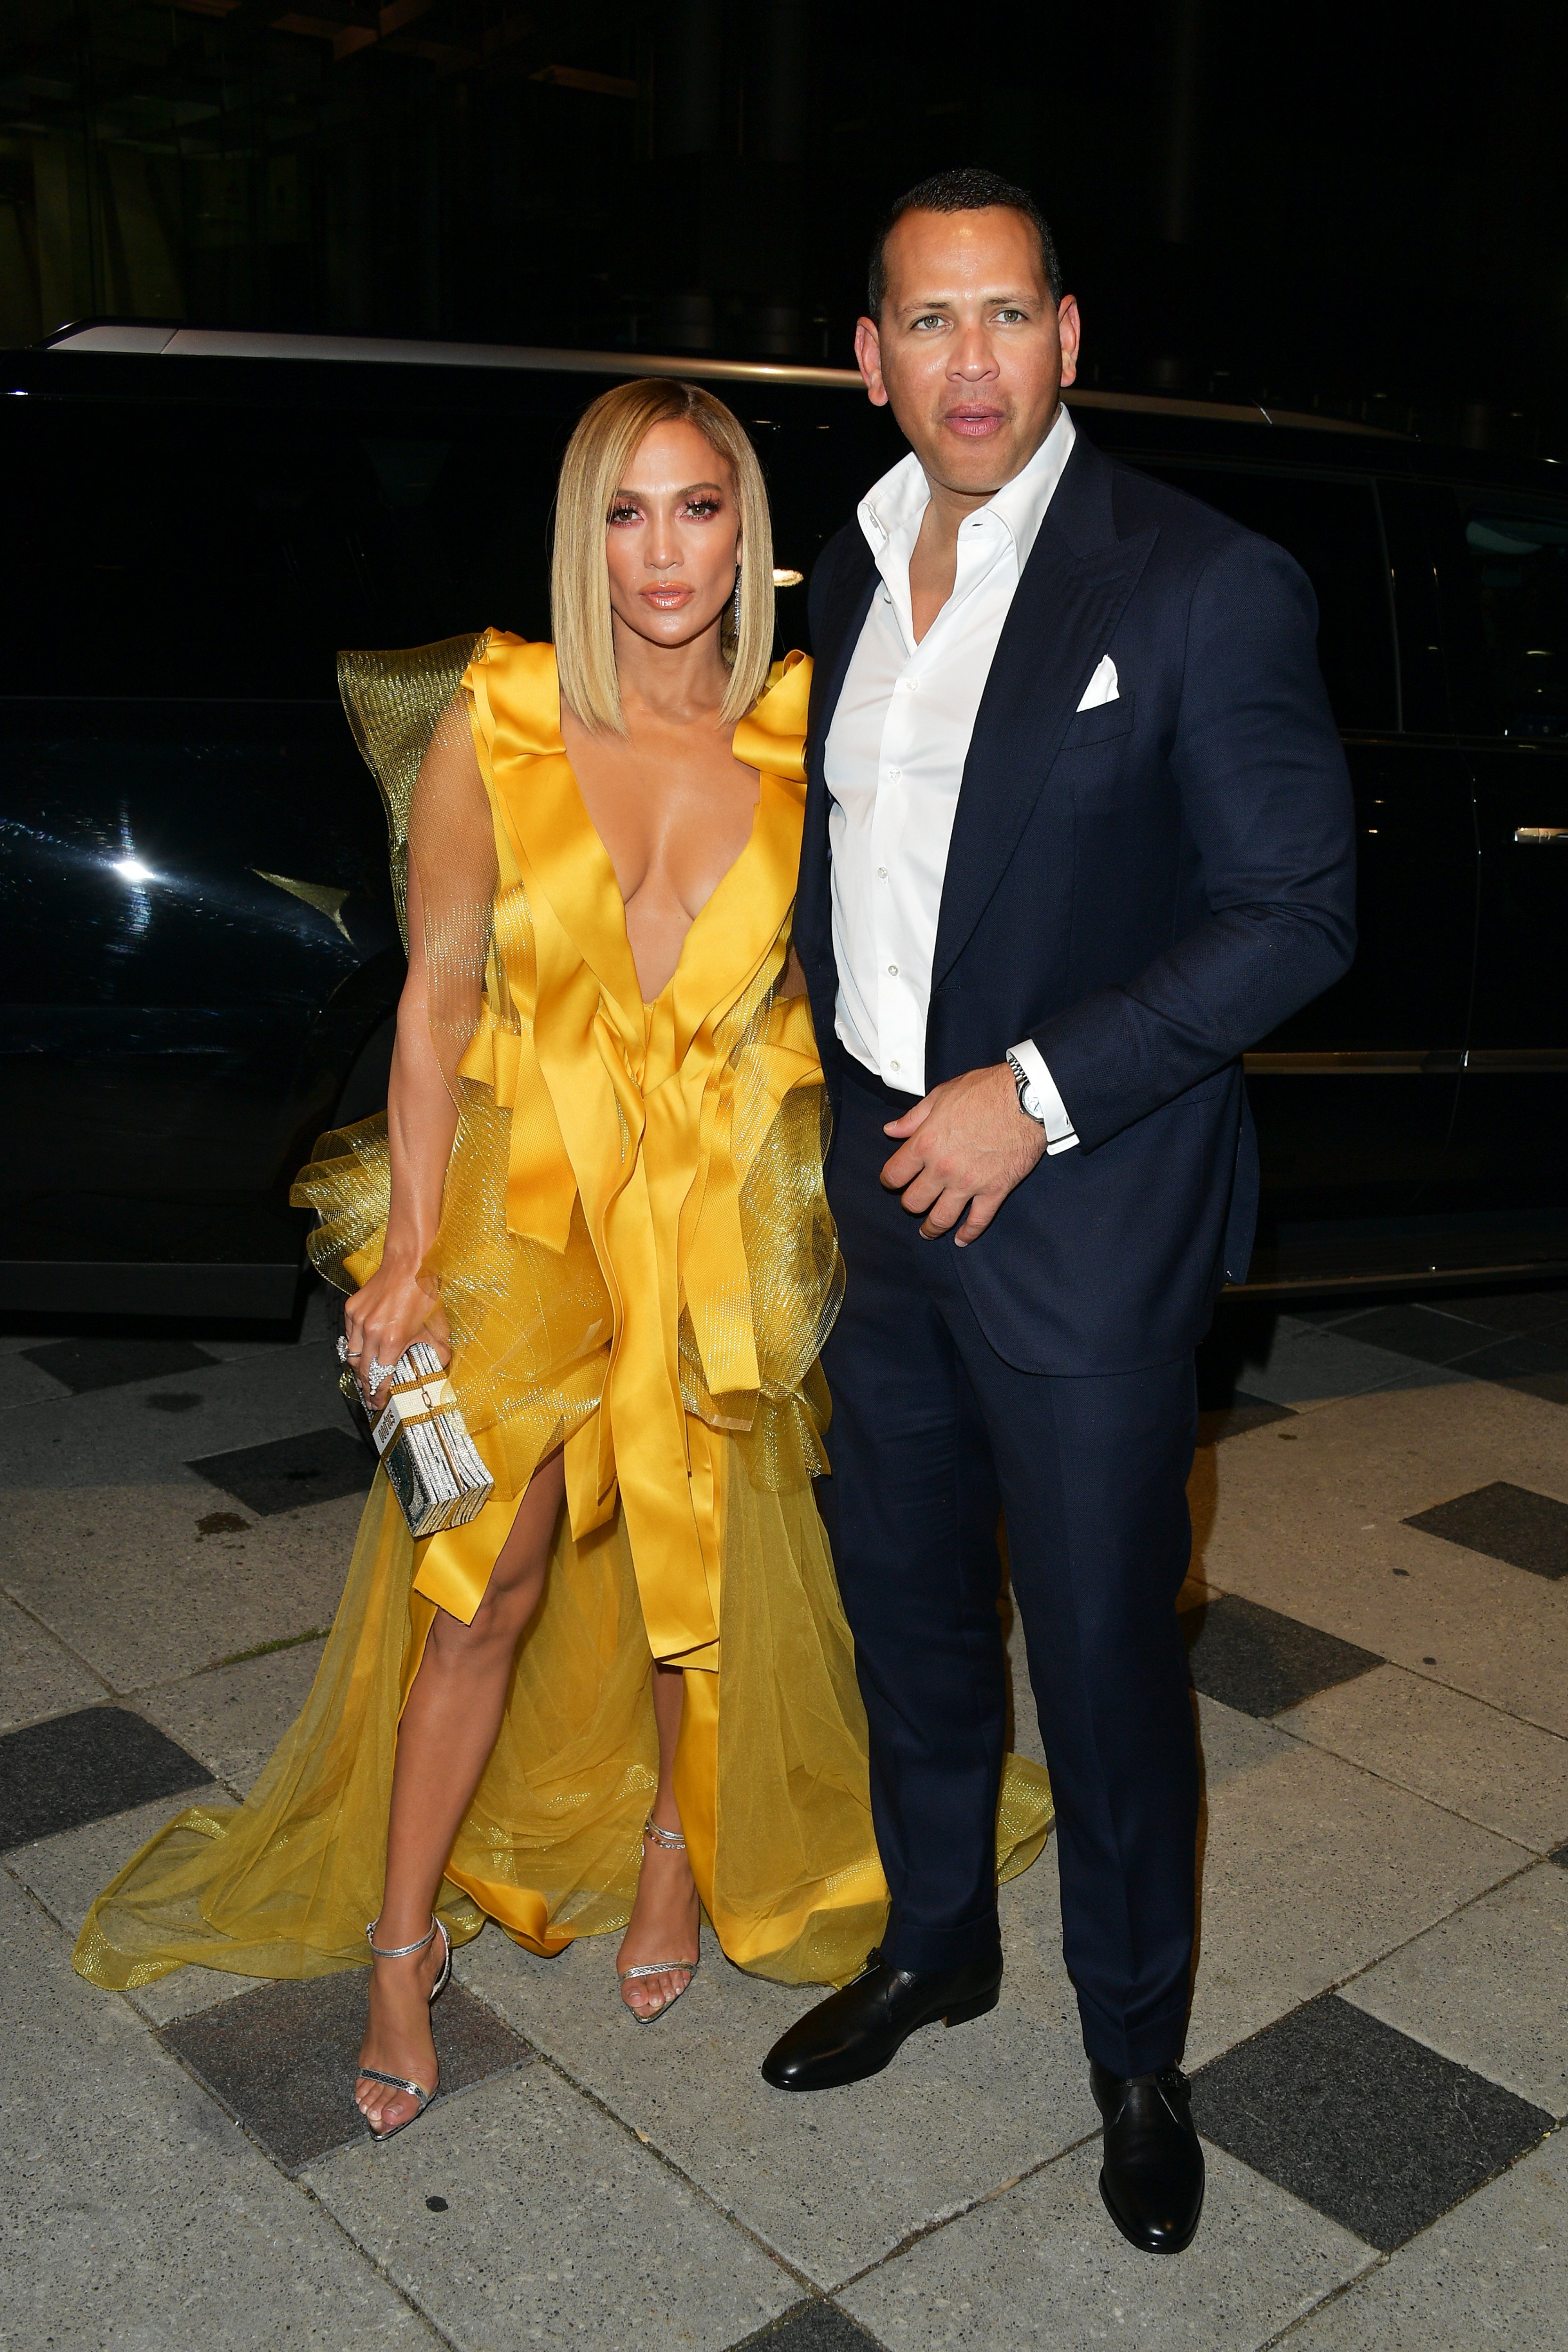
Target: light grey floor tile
<point x="1487" y="1765"/>
<point x="1488" y="1988"/>
<point x="1493" y="2271"/>
<point x="234" y="1718"/>
<point x="558" y="2229"/>
<point x="833" y="2181"/>
<point x="65" y="1871"/>
<point x="1314" y="1528"/>
<point x="126" y="1576"/>
<point x="37" y="1676"/>
<point x="1311" y="1870"/>
<point x="1043" y="2265"/>
<point x="22" y="1384"/>
<point x="136" y="2214"/>
<point x="1307" y="1366"/>
<point x="1232" y="1743"/>
<point x="119" y="1436"/>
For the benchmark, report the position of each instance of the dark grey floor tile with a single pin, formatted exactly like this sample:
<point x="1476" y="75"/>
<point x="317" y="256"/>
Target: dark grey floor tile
<point x="813" y="2327"/>
<point x="1524" y="1358"/>
<point x="1255" y="1659"/>
<point x="1559" y="1857"/>
<point x="1431" y="1335"/>
<point x="282" y="2059"/>
<point x="1356" y="2119"/>
<point x="1543" y="1312"/>
<point x="1506" y="1522"/>
<point x="1553" y="1387"/>
<point x="80" y="1767"/>
<point x="1244" y="1412"/>
<point x="316" y="1467"/>
<point x="109" y="1363"/>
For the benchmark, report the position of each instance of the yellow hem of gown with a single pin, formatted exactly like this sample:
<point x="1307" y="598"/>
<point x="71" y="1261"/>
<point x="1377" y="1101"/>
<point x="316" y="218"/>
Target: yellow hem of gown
<point x="281" y="1885"/>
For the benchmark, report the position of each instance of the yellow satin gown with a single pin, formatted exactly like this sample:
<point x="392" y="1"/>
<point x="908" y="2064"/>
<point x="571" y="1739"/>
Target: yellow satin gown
<point x="638" y="1261"/>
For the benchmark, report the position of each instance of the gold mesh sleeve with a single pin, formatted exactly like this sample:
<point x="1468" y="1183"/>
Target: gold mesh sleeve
<point x="411" y="720"/>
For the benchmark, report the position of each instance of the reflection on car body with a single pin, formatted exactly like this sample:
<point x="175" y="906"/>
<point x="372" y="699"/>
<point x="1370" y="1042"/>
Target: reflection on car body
<point x="201" y="954"/>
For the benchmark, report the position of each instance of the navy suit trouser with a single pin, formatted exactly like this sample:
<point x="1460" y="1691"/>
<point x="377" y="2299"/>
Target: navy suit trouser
<point x="932" y="1436"/>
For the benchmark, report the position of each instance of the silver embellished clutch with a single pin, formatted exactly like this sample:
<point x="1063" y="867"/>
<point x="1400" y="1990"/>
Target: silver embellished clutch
<point x="432" y="1465"/>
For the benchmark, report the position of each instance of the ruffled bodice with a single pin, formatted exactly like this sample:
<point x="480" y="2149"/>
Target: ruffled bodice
<point x="666" y="1156"/>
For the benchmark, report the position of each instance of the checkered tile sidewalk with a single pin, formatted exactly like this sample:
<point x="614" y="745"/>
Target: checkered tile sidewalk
<point x="1377" y="1627"/>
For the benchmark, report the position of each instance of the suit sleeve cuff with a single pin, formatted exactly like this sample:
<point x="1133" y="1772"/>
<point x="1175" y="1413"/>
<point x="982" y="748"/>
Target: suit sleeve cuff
<point x="1059" y="1132"/>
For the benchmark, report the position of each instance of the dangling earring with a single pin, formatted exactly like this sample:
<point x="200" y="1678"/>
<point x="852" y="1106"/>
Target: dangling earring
<point x="737" y="606"/>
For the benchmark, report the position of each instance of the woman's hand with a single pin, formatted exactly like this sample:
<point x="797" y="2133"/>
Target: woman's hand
<point x="380" y="1321"/>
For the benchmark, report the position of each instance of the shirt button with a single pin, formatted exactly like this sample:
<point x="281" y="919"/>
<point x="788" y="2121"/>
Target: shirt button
<point x="892" y="972"/>
<point x="894" y="774"/>
<point x="893" y="1066"/>
<point x="881" y="873"/>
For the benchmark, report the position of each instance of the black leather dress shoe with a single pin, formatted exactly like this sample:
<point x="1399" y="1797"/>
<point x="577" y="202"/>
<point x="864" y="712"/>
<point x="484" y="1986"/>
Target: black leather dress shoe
<point x="1152" y="2176"/>
<point x="854" y="2032"/>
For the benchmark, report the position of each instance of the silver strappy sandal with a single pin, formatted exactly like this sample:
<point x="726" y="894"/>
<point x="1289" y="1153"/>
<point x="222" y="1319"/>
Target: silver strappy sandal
<point x="396" y="2081"/>
<point x="673" y="1842"/>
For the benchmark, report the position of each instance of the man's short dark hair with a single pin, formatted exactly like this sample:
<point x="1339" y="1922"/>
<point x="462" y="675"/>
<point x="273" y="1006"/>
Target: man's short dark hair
<point x="966" y="189"/>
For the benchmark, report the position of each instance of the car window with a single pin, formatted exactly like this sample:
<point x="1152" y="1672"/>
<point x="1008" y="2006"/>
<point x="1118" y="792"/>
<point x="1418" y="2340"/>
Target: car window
<point x="1516" y="554"/>
<point x="1333" y="531"/>
<point x="186" y="550"/>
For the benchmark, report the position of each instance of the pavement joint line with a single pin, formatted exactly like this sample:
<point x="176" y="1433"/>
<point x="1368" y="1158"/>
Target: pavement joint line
<point x="59" y="1640"/>
<point x="1388" y="1779"/>
<point x="631" y="2131"/>
<point x="300" y="2180"/>
<point x="1336" y="2293"/>
<point x="1482" y="1894"/>
<point x="941" y="2222"/>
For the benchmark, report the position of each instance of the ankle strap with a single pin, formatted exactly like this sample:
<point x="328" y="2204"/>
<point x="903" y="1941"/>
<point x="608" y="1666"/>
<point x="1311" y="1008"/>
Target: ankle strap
<point x="400" y="1951"/>
<point x="672" y="1840"/>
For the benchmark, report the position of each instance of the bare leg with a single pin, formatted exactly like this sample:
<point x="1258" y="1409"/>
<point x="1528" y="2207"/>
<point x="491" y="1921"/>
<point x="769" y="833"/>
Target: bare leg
<point x="444" y="1743"/>
<point x="664" y="1921"/>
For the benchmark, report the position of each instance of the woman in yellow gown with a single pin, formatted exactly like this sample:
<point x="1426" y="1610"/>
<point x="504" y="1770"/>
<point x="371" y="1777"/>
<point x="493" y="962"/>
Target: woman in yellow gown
<point x="598" y="1187"/>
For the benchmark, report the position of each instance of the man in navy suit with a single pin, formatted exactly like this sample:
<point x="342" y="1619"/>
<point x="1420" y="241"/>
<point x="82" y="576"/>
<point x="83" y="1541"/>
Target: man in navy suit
<point x="1077" y="832"/>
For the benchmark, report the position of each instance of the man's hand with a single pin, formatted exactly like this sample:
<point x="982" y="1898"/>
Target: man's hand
<point x="963" y="1148"/>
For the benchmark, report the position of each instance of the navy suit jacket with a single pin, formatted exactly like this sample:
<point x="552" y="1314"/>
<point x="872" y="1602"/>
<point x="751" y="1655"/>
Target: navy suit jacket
<point x="1144" y="888"/>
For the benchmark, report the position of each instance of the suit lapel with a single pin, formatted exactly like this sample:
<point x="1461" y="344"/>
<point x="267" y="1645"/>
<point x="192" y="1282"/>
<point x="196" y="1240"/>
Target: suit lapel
<point x="1075" y="584"/>
<point x="843" y="616"/>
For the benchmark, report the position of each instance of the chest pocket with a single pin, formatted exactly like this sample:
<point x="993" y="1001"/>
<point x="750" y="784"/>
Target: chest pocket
<point x="1103" y="724"/>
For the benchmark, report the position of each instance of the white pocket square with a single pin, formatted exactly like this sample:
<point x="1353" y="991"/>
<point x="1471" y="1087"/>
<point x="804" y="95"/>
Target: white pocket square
<point x="1101" y="687"/>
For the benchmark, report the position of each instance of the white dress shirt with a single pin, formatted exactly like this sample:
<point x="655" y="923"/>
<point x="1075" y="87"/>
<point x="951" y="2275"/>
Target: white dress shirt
<point x="894" y="761"/>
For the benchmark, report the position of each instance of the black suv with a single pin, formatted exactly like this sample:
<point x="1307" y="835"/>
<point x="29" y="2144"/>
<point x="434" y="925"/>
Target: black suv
<point x="200" y="954"/>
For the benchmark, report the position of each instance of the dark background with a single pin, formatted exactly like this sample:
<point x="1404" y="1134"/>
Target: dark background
<point x="1361" y="207"/>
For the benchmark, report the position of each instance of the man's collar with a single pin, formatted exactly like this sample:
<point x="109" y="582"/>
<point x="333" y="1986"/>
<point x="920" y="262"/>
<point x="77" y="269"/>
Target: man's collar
<point x="890" y="512"/>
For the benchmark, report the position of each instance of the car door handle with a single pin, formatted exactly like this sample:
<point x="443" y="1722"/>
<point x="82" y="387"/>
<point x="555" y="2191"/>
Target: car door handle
<point x="1541" y="836"/>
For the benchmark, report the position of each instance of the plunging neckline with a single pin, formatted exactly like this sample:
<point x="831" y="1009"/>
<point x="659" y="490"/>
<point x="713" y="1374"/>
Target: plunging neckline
<point x="564" y="863"/>
<point x="651" y="1003"/>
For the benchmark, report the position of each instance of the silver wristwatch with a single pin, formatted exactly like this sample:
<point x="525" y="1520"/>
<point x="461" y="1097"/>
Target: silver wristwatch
<point x="1029" y="1102"/>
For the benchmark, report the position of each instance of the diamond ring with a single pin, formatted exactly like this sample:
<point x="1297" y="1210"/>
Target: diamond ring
<point x="379" y="1372"/>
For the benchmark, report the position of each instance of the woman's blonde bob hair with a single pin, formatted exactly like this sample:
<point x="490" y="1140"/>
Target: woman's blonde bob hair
<point x="591" y="471"/>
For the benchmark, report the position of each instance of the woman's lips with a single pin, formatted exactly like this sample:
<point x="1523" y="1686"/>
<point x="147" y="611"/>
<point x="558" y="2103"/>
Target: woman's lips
<point x="974" y="423"/>
<point x="667" y="599"/>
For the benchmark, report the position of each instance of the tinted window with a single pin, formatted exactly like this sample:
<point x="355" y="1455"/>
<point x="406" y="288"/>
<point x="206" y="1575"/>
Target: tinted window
<point x="186" y="550"/>
<point x="183" y="548"/>
<point x="1333" y="531"/>
<point x="1516" y="554"/>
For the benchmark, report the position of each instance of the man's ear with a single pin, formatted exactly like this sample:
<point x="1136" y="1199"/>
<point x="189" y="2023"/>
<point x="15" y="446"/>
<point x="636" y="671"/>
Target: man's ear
<point x="869" y="359"/>
<point x="1069" y="328"/>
